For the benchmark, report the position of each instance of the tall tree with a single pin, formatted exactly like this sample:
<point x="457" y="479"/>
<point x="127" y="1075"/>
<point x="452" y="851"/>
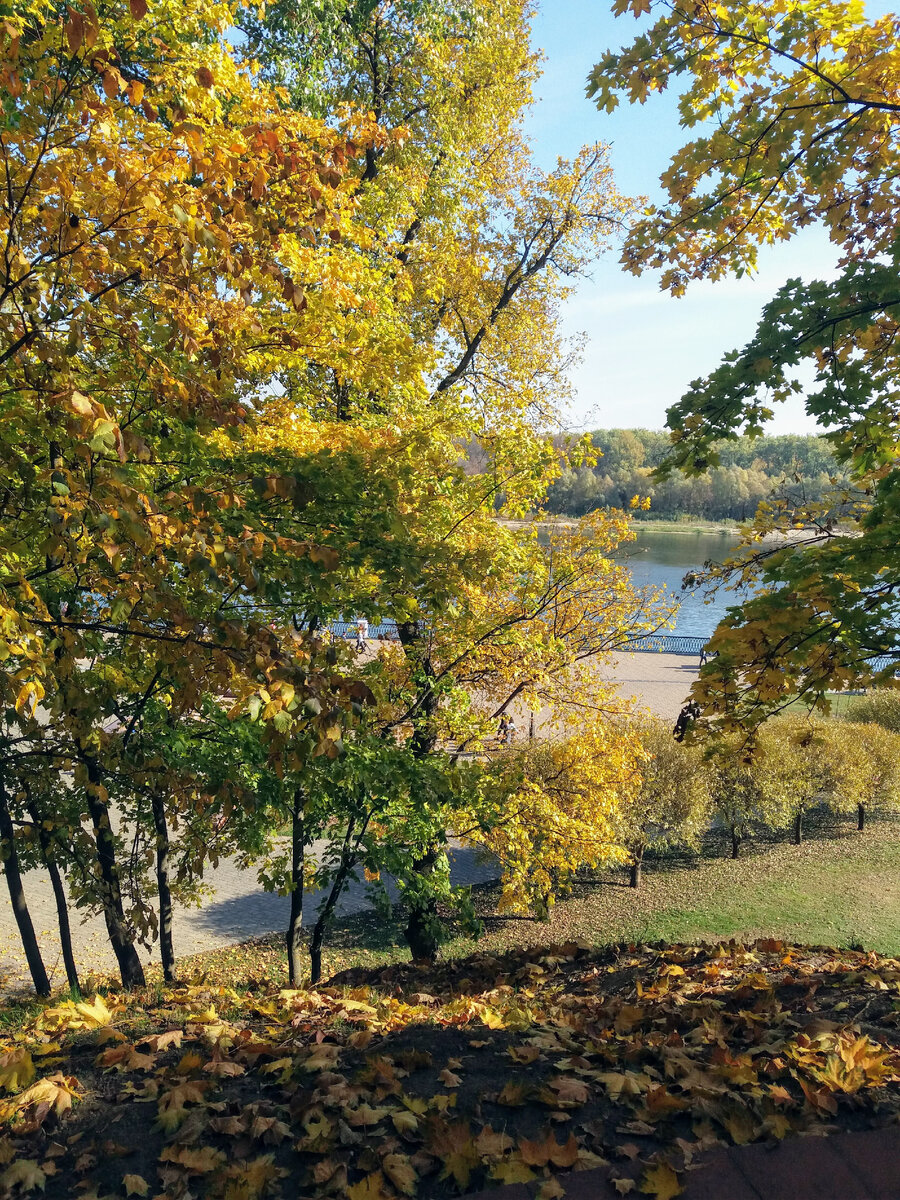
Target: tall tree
<point x="798" y="114"/>
<point x="165" y="218"/>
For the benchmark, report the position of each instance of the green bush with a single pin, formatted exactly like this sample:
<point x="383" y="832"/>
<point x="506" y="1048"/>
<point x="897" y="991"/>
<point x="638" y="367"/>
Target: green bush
<point x="881" y="706"/>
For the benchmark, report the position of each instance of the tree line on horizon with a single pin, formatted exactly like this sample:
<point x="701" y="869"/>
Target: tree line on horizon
<point x="800" y="470"/>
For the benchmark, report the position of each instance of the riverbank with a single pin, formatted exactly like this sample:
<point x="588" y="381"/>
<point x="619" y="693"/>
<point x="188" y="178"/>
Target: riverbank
<point x="694" y="525"/>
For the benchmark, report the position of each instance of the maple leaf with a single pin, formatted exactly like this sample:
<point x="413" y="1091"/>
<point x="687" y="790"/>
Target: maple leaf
<point x="453" y="1145"/>
<point x="253" y="1180"/>
<point x="539" y="1154"/>
<point x="448" y="1078"/>
<point x="514" y="1095"/>
<point x="16" y="1069"/>
<point x="623" y="1186"/>
<point x="569" y="1091"/>
<point x="54" y="1093"/>
<point x="370" y="1188"/>
<point x="512" y="1170"/>
<point x="400" y="1172"/>
<point x="24" y="1174"/>
<point x="135" y="1185"/>
<point x="365" y="1114"/>
<point x="661" y="1181"/>
<point x="550" y="1189"/>
<point x="162" y="1041"/>
<point x="199" y="1160"/>
<point x="405" y="1121"/>
<point x="491" y="1144"/>
<point x="171" y="1109"/>
<point x="523" y="1054"/>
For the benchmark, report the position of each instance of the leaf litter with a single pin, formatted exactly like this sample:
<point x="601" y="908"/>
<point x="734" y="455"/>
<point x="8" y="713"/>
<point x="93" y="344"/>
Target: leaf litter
<point x="479" y="1072"/>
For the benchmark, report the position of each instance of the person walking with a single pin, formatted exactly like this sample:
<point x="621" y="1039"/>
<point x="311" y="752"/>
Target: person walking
<point x="362" y="634"/>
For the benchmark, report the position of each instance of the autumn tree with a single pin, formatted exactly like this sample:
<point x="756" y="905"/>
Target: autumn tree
<point x="796" y="111"/>
<point x="746" y="787"/>
<point x="481" y="246"/>
<point x="166" y="218"/>
<point x="869" y="754"/>
<point x="669" y="802"/>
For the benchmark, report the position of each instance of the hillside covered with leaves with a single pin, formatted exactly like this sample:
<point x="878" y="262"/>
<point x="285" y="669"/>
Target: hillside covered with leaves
<point x="414" y="1082"/>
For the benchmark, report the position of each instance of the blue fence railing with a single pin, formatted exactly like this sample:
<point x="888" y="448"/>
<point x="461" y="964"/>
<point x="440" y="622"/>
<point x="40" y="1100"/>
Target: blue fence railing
<point x="666" y="643"/>
<point x="651" y="643"/>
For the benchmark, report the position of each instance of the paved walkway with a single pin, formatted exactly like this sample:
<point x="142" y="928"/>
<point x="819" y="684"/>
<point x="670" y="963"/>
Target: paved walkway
<point x="846" y="1166"/>
<point x="238" y="908"/>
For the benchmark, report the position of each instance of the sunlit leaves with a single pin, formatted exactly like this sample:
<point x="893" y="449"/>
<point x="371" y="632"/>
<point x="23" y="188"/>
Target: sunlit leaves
<point x="796" y="109"/>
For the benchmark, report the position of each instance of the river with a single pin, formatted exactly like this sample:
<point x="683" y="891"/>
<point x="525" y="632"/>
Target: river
<point x="659" y="557"/>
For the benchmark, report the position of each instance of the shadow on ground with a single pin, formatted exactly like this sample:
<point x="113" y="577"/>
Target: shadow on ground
<point x="256" y="912"/>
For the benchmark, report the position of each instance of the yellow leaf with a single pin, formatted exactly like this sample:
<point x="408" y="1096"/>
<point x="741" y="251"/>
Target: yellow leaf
<point x="24" y="1174"/>
<point x="405" y="1122"/>
<point x="370" y="1188"/>
<point x="400" y="1172"/>
<point x="199" y="1159"/>
<point x="661" y="1181"/>
<point x="16" y="1070"/>
<point x="512" y="1170"/>
<point x="135" y="1185"/>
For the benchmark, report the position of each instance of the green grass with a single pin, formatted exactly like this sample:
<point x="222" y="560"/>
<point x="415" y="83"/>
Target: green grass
<point x="840" y="888"/>
<point x="841" y="703"/>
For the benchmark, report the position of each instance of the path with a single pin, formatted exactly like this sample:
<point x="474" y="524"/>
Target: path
<point x="237" y="908"/>
<point x="845" y="1166"/>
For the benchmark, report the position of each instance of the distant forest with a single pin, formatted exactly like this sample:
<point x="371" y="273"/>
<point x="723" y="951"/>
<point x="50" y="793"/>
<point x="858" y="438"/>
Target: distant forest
<point x="798" y="467"/>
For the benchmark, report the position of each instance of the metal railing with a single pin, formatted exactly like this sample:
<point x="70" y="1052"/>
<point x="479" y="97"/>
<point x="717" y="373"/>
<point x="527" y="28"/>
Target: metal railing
<point x="666" y="643"/>
<point x="651" y="643"/>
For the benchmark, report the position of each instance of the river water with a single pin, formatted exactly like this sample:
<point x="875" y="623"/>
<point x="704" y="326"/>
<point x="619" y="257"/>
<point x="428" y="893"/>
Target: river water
<point x="663" y="558"/>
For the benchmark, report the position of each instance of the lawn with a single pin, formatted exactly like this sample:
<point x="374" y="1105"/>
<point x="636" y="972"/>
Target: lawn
<point x="556" y="1046"/>
<point x="839" y="888"/>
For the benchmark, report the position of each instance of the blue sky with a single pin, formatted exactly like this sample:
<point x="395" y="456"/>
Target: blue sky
<point x="643" y="347"/>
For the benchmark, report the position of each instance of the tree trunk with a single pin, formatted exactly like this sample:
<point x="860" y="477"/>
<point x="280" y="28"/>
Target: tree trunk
<point x="163" y="887"/>
<point x="294" y="935"/>
<point x="59" y="895"/>
<point x="860" y="817"/>
<point x="321" y="926"/>
<point x="19" y="904"/>
<point x="348" y="858"/>
<point x="130" y="969"/>
<point x="798" y="829"/>
<point x="735" y="842"/>
<point x="422" y="928"/>
<point x="636" y="864"/>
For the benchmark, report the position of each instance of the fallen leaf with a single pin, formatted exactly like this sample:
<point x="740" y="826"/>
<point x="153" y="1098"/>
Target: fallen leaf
<point x="512" y="1170"/>
<point x="370" y="1188"/>
<point x="16" y="1069"/>
<point x="400" y="1172"/>
<point x="24" y="1174"/>
<point x="135" y="1185"/>
<point x="661" y="1181"/>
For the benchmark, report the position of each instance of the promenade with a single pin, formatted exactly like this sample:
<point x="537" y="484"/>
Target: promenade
<point x="237" y="908"/>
